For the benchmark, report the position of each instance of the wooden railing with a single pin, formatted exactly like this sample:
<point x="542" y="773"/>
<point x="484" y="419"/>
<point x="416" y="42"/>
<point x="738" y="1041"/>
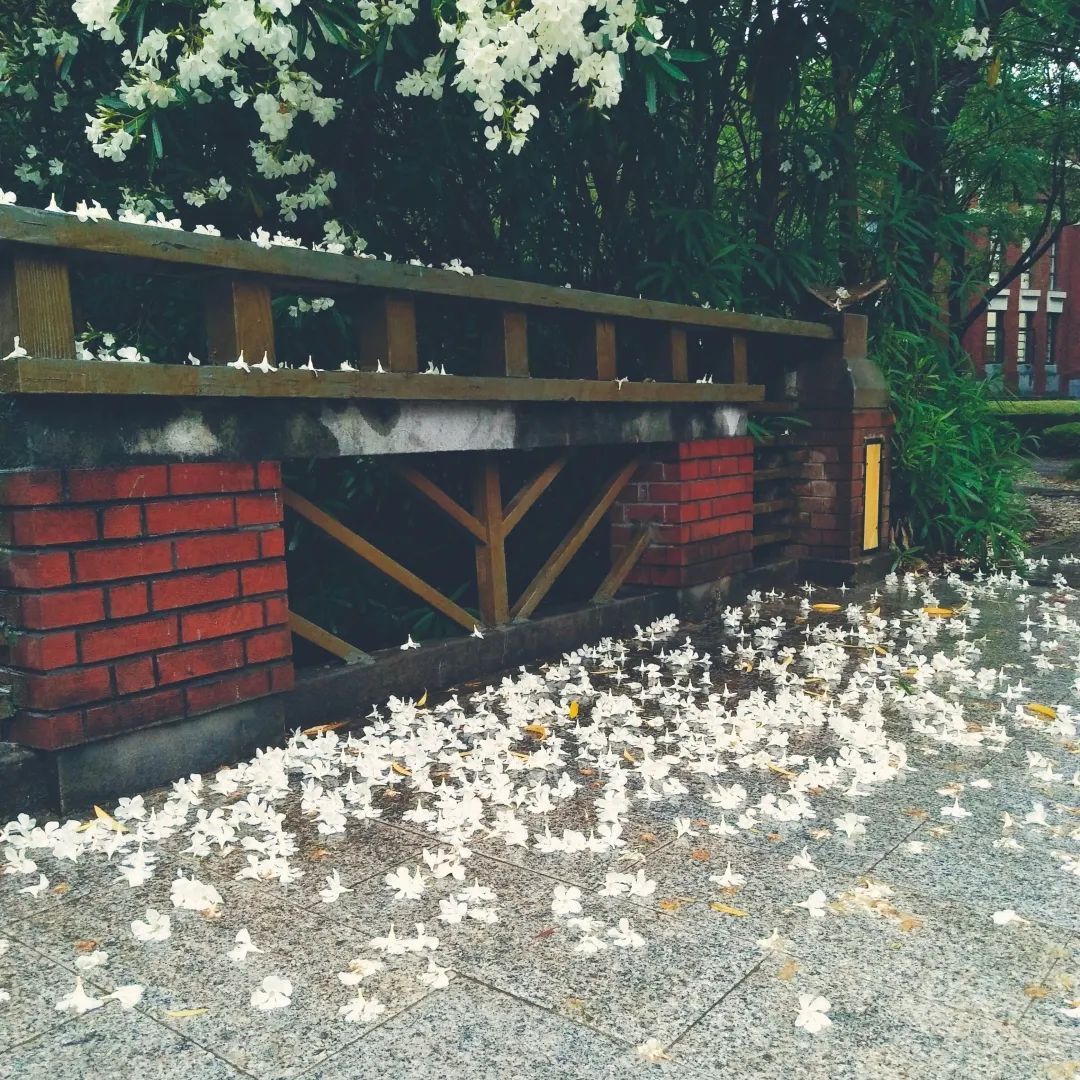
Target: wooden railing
<point x="239" y="278"/>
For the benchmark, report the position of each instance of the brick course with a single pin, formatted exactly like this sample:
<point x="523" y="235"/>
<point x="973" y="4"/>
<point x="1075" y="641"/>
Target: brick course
<point x="134" y="596"/>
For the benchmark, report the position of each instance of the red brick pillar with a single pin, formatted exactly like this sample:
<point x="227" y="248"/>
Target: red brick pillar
<point x="843" y="396"/>
<point x="134" y="596"/>
<point x="699" y="498"/>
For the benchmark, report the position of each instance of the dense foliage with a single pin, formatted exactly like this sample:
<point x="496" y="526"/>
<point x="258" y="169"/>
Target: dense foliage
<point x="728" y="152"/>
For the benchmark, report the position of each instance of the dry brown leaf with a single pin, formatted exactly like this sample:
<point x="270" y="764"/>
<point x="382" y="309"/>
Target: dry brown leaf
<point x="774" y="837"/>
<point x="670" y="905"/>
<point x="322" y="729"/>
<point x="825" y="609"/>
<point x="401" y="770"/>
<point x="318" y="853"/>
<point x="60" y="889"/>
<point x="700" y="854"/>
<point x="820" y="834"/>
<point x="787" y="972"/>
<point x="727" y="909"/>
<point x="538" y="730"/>
<point x="184" y="1014"/>
<point x="916" y="812"/>
<point x="547" y="932"/>
<point x="910" y="922"/>
<point x="701" y="823"/>
<point x="1035" y="991"/>
<point x="647" y="838"/>
<point x="86" y="946"/>
<point x="587" y="772"/>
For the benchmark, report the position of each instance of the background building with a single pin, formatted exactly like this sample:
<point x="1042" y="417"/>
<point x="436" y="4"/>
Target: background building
<point x="1030" y="336"/>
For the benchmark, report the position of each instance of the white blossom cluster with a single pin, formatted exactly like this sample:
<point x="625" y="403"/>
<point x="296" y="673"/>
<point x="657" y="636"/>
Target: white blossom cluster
<point x="973" y="44"/>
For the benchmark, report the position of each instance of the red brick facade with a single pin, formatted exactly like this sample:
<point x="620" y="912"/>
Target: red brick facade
<point x="133" y="596"/>
<point x="700" y="497"/>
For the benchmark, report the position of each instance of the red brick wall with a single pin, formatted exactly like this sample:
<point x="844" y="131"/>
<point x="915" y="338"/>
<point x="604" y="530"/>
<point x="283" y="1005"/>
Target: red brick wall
<point x="133" y="596"/>
<point x="830" y="500"/>
<point x="699" y="496"/>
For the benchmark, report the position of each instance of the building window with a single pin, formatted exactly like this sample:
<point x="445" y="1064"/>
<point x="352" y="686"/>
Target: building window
<point x="1025" y="280"/>
<point x="1051" y="338"/>
<point x="995" y="340"/>
<point x="1052" y="279"/>
<point x="1025" y="339"/>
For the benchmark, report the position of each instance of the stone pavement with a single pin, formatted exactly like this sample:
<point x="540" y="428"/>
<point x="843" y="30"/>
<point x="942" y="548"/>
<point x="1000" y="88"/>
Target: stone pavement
<point x="920" y="980"/>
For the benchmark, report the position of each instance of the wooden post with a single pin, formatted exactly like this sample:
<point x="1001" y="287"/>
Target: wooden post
<point x="491" y="554"/>
<point x="675" y="350"/>
<point x="387" y="333"/>
<point x="597" y="350"/>
<point x="35" y="304"/>
<point x="506" y="344"/>
<point x="239" y="318"/>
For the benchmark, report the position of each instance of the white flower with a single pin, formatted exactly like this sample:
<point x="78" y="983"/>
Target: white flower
<point x="651" y="1050"/>
<point x="194" y="895"/>
<point x="566" y="901"/>
<point x="362" y="1010"/>
<point x="37" y="889"/>
<point x="852" y="824"/>
<point x="981" y="783"/>
<point x="802" y="861"/>
<point x="815" y="904"/>
<point x="1036" y="815"/>
<point x="128" y="996"/>
<point x="729" y="879"/>
<point x="244" y="946"/>
<point x="774" y="943"/>
<point x="78" y="1001"/>
<point x="590" y="945"/>
<point x="641" y="885"/>
<point x="156" y="927"/>
<point x="1007" y="917"/>
<point x="406" y="886"/>
<point x="333" y="889"/>
<point x="624" y="936"/>
<point x="812" y="1010"/>
<point x="682" y="827"/>
<point x="436" y="978"/>
<point x="89" y="961"/>
<point x="452" y="911"/>
<point x="274" y="992"/>
<point x="956" y="810"/>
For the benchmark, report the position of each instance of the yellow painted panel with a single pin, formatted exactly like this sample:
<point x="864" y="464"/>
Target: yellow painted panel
<point x="872" y="502"/>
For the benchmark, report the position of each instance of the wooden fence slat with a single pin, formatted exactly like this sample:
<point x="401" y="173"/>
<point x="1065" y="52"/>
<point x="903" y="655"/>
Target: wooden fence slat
<point x="239" y="318"/>
<point x="331" y="643"/>
<point x="522" y="502"/>
<point x="387" y="333"/>
<point x="675" y="350"/>
<point x="600" y="350"/>
<point x="379" y="559"/>
<point x="35" y="304"/>
<point x="620" y="570"/>
<point x="491" y="554"/>
<point x="451" y="507"/>
<point x="546" y="576"/>
<point x="739" y="369"/>
<point x="506" y="343"/>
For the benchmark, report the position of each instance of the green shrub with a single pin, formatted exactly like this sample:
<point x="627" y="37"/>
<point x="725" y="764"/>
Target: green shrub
<point x="1073" y="471"/>
<point x="1061" y="439"/>
<point x="1051" y="407"/>
<point x="956" y="461"/>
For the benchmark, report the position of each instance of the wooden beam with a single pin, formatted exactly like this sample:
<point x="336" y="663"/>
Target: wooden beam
<point x="35" y="304"/>
<point x="387" y="333"/>
<point x="309" y="270"/>
<point x="521" y="503"/>
<point x="491" y="554"/>
<point x="678" y="369"/>
<point x="627" y="560"/>
<point x="379" y="559"/>
<point x="598" y="350"/>
<point x="23" y="376"/>
<point x="239" y="318"/>
<point x="506" y="343"/>
<point x="451" y="507"/>
<point x="546" y="576"/>
<point x="334" y="645"/>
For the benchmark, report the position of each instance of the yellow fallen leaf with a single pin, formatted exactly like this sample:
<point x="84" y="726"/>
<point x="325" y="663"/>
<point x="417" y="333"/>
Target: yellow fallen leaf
<point x="1036" y="992"/>
<point x="401" y="770"/>
<point x="1041" y="710"/>
<point x="184" y="1014"/>
<point x="627" y="756"/>
<point x="423" y="700"/>
<point x="939" y="612"/>
<point x="746" y="665"/>
<point x="574" y="710"/>
<point x="518" y="754"/>
<point x="910" y="922"/>
<point x="787" y="774"/>
<point x="60" y="889"/>
<point x="108" y="819"/>
<point x="538" y="730"/>
<point x="727" y="909"/>
<point x="826" y="609"/>
<point x="881" y="650"/>
<point x="787" y="972"/>
<point x="669" y="905"/>
<point x="322" y="729"/>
